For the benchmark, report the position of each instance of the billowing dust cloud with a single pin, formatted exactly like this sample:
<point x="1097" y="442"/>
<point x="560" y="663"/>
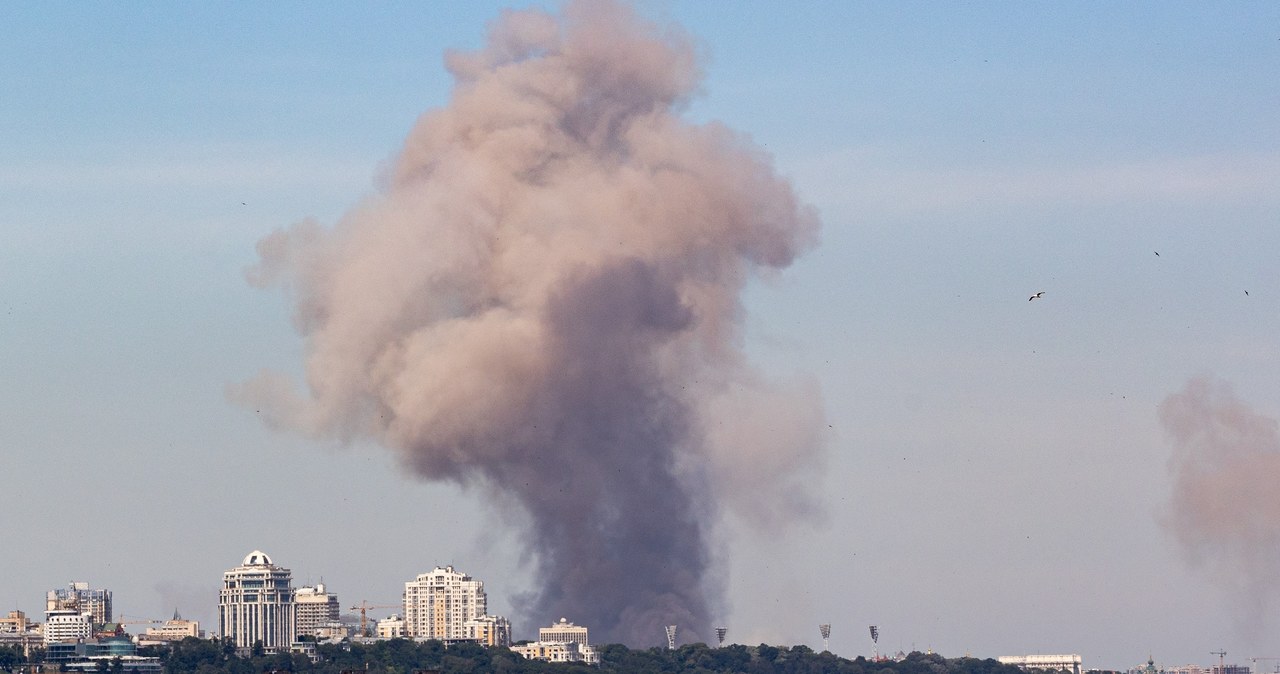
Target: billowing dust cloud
<point x="1225" y="506"/>
<point x="543" y="302"/>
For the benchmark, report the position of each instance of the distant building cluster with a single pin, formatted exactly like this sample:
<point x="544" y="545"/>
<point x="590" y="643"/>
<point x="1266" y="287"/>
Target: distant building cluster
<point x="1072" y="664"/>
<point x="260" y="611"/>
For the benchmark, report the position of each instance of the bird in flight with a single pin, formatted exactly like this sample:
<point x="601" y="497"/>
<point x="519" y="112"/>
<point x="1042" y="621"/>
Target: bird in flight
<point x="1036" y="296"/>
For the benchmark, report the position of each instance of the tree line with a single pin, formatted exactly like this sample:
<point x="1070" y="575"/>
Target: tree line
<point x="403" y="656"/>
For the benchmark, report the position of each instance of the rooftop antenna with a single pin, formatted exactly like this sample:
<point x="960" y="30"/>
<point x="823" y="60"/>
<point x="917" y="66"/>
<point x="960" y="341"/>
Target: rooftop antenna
<point x="875" y="640"/>
<point x="720" y="632"/>
<point x="671" y="637"/>
<point x="825" y="630"/>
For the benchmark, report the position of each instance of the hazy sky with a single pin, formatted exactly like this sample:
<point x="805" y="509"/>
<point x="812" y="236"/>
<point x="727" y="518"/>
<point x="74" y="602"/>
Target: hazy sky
<point x="996" y="474"/>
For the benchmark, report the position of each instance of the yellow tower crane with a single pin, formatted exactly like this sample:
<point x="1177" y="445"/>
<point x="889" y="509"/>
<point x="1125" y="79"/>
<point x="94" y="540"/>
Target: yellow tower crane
<point x="363" y="608"/>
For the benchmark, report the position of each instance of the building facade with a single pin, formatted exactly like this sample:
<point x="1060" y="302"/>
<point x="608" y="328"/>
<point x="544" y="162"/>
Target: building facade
<point x="489" y="630"/>
<point x="18" y="632"/>
<point x="81" y="598"/>
<point x="391" y="628"/>
<point x="563" y="641"/>
<point x="63" y="625"/>
<point x="256" y="605"/>
<point x="314" y="607"/>
<point x="565" y="632"/>
<point x="556" y="651"/>
<point x="175" y="629"/>
<point x="1046" y="663"/>
<point x="438" y="604"/>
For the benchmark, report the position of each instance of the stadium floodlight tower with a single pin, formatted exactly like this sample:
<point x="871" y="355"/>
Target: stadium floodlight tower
<point x="671" y="637"/>
<point x="720" y="632"/>
<point x="875" y="640"/>
<point x="825" y="631"/>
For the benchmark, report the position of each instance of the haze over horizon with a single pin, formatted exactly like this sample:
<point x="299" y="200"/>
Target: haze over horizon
<point x="1085" y="473"/>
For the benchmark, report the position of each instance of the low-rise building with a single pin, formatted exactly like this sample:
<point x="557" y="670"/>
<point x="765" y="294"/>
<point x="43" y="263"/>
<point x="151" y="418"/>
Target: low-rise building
<point x="391" y="628"/>
<point x="175" y="629"/>
<point x="128" y="663"/>
<point x="489" y="630"/>
<point x="563" y="641"/>
<point x="558" y="652"/>
<point x="564" y="632"/>
<point x="1044" y="663"/>
<point x="18" y="632"/>
<point x="333" y="631"/>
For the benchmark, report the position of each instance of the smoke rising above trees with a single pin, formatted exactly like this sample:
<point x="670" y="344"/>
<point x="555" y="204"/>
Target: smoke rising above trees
<point x="1224" y="511"/>
<point x="544" y="302"/>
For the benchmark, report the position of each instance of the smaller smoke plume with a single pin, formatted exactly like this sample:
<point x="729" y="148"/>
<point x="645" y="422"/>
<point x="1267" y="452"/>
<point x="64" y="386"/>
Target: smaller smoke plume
<point x="1225" y="506"/>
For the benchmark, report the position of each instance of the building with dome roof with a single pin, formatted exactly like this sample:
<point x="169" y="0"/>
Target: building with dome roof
<point x="256" y="605"/>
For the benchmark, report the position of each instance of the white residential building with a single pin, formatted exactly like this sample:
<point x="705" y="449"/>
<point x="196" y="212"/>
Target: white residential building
<point x="256" y="605"/>
<point x="438" y="604"/>
<point x="313" y="607"/>
<point x="66" y="625"/>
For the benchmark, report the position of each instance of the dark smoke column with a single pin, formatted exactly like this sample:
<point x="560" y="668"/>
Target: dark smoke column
<point x="544" y="302"/>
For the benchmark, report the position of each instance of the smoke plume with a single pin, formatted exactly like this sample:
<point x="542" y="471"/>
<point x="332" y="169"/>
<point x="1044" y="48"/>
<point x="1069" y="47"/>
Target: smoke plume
<point x="1225" y="506"/>
<point x="543" y="302"/>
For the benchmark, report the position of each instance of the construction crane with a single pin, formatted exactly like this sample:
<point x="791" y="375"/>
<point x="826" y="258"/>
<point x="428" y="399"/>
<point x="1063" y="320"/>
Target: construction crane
<point x="121" y="623"/>
<point x="363" y="608"/>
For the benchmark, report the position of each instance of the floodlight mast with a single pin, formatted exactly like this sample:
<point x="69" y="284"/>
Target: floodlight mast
<point x="720" y="632"/>
<point x="875" y="640"/>
<point x="671" y="637"/>
<point x="825" y="631"/>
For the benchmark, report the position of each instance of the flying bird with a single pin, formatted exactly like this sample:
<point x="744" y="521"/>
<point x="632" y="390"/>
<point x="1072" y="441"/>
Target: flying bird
<point x="1156" y="252"/>
<point x="1036" y="296"/>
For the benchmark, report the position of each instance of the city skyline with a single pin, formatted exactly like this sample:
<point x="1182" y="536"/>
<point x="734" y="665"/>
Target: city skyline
<point x="996" y="476"/>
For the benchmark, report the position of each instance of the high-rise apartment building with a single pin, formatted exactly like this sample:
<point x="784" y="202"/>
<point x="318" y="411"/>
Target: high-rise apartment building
<point x="313" y="608"/>
<point x="438" y="604"/>
<point x="256" y="605"/>
<point x="79" y="597"/>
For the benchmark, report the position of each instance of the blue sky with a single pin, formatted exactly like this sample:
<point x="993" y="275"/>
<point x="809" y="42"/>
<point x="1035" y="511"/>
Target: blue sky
<point x="997" y="469"/>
